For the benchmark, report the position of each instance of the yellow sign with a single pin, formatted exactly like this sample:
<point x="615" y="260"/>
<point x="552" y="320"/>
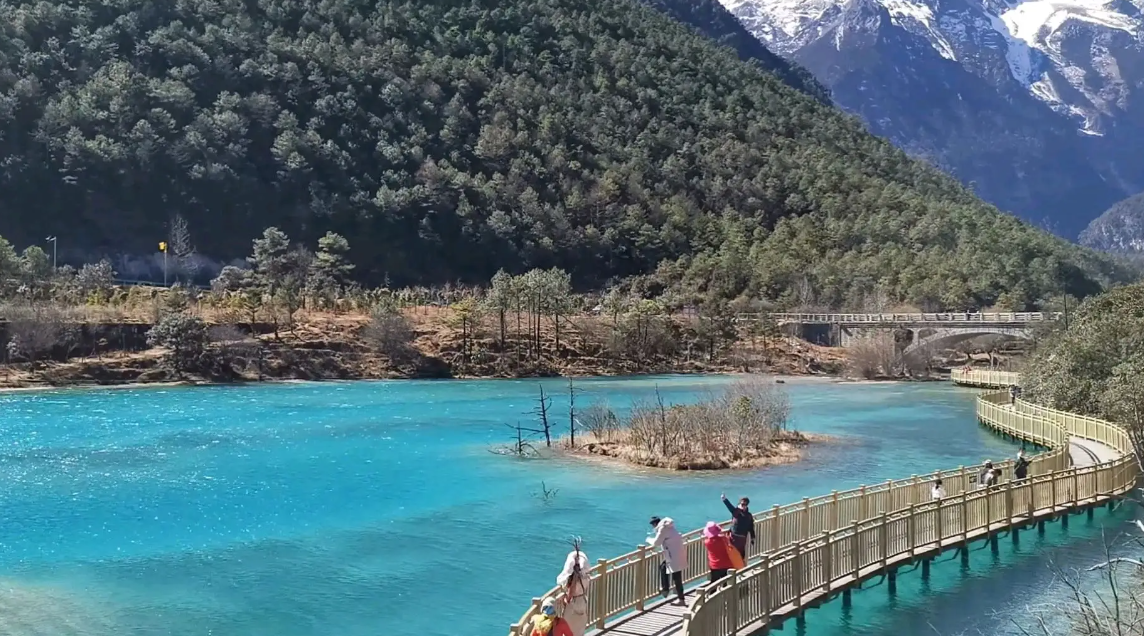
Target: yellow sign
<point x="163" y="246"/>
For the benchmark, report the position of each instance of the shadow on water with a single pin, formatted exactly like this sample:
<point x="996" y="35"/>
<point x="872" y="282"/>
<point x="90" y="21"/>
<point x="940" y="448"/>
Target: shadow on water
<point x="995" y="595"/>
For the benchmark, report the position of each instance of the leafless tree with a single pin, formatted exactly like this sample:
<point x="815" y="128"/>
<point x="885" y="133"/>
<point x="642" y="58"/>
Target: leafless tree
<point x="873" y="356"/>
<point x="598" y="421"/>
<point x="182" y="248"/>
<point x="36" y="329"/>
<point x="235" y="346"/>
<point x="520" y="447"/>
<point x="1112" y="607"/>
<point x="544" y="403"/>
<point x="737" y="424"/>
<point x="572" y="391"/>
<point x="390" y="332"/>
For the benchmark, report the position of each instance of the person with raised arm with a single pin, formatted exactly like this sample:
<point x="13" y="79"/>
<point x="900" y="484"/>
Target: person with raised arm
<point x="743" y="526"/>
<point x="1021" y="466"/>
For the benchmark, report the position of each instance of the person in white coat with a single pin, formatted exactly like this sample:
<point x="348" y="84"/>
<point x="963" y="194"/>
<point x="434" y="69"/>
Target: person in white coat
<point x="574" y="581"/>
<point x="674" y="555"/>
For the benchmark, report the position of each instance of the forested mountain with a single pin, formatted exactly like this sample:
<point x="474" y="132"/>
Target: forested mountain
<point x="1119" y="229"/>
<point x="717" y="23"/>
<point x="450" y="139"/>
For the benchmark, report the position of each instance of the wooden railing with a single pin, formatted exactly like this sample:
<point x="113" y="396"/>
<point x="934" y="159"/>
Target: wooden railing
<point x="996" y="317"/>
<point x="805" y="544"/>
<point x="778" y="585"/>
<point x="983" y="378"/>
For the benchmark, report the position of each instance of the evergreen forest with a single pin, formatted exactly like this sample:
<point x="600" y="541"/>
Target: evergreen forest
<point x="448" y="140"/>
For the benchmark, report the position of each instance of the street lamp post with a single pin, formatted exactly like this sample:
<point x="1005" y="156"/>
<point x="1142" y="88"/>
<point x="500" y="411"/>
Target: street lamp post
<point x="52" y="240"/>
<point x="163" y="249"/>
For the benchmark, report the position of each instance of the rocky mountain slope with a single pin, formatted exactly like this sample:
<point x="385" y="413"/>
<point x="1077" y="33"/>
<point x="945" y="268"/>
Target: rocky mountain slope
<point x="1037" y="104"/>
<point x="1119" y="229"/>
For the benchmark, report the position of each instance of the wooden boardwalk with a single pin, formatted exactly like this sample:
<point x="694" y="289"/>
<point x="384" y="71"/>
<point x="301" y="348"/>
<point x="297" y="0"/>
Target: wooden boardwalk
<point x="813" y="550"/>
<point x="665" y="618"/>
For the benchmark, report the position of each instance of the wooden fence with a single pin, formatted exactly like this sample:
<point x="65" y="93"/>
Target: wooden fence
<point x="783" y="581"/>
<point x="819" y="544"/>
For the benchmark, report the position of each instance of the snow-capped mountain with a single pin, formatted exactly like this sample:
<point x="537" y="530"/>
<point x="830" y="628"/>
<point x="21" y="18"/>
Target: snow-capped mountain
<point x="1038" y="104"/>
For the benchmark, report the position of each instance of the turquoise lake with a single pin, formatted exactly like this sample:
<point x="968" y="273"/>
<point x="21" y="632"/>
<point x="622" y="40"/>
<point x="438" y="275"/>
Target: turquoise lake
<point x="376" y="508"/>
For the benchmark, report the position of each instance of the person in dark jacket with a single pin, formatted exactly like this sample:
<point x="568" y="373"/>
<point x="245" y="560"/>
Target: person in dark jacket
<point x="744" y="525"/>
<point x="1021" y="466"/>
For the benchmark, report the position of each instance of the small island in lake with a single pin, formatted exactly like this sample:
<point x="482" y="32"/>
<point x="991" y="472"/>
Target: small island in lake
<point x="742" y="425"/>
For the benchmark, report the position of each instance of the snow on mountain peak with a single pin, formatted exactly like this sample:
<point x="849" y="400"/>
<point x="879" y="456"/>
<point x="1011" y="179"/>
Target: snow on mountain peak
<point x="1029" y="33"/>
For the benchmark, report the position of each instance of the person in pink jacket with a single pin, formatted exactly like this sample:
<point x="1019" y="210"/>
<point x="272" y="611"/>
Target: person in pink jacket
<point x="718" y="554"/>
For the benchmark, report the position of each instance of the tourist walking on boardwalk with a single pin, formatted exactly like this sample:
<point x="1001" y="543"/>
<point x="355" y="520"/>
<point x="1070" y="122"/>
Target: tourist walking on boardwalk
<point x="938" y="491"/>
<point x="743" y="526"/>
<point x="719" y="559"/>
<point x="1013" y="395"/>
<point x="674" y="555"/>
<point x="574" y="581"/>
<point x="986" y="470"/>
<point x="548" y="622"/>
<point x="991" y="478"/>
<point x="1021" y="466"/>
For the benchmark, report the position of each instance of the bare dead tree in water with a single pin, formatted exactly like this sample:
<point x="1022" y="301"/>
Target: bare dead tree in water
<point x="572" y="391"/>
<point x="520" y="447"/>
<point x="547" y="494"/>
<point x="541" y="411"/>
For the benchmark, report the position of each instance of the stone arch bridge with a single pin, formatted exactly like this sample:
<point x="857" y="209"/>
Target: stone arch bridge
<point x="914" y="333"/>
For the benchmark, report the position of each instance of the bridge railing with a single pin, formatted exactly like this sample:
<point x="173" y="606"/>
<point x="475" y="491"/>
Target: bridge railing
<point x="900" y="318"/>
<point x="985" y="378"/>
<point x="628" y="582"/>
<point x="776" y="585"/>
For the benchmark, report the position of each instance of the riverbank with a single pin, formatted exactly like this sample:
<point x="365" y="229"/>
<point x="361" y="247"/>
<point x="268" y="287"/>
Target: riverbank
<point x="326" y="346"/>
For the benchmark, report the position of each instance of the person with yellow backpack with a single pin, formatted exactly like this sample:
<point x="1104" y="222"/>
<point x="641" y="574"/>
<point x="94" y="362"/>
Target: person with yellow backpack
<point x="548" y="622"/>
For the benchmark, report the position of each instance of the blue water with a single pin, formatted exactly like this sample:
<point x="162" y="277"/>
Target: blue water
<point x="376" y="508"/>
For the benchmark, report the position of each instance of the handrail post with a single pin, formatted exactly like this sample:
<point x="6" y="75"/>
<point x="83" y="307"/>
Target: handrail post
<point x="884" y="537"/>
<point x="805" y="517"/>
<point x="776" y="529"/>
<point x="912" y="530"/>
<point x="863" y="505"/>
<point x="1009" y="501"/>
<point x="797" y="575"/>
<point x="1053" y="486"/>
<point x="765" y="587"/>
<point x="600" y="586"/>
<point x="855" y="555"/>
<point x="641" y="577"/>
<point x="835" y="520"/>
<point x="988" y="508"/>
<point x="734" y="602"/>
<point x="937" y="525"/>
<point x="964" y="515"/>
<point x="1076" y="488"/>
<point x="964" y="479"/>
<point x="827" y="562"/>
